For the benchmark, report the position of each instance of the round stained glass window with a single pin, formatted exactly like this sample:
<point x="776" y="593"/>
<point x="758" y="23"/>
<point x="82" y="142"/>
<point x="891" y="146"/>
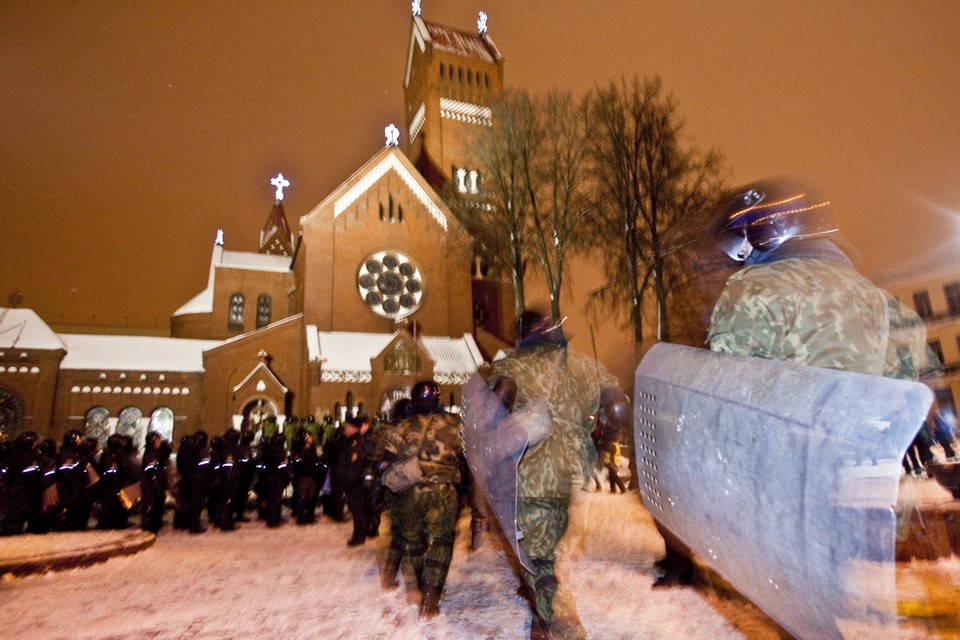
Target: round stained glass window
<point x="391" y="284"/>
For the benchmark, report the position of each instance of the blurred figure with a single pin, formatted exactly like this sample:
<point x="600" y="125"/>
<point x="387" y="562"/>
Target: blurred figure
<point x="23" y="482"/>
<point x="350" y="472"/>
<point x="308" y="475"/>
<point x="798" y="298"/>
<point x="247" y="467"/>
<point x="425" y="514"/>
<point x="153" y="481"/>
<point x="116" y="472"/>
<point x="274" y="477"/>
<point x="72" y="481"/>
<point x="943" y="434"/>
<point x="575" y="387"/>
<point x="611" y="462"/>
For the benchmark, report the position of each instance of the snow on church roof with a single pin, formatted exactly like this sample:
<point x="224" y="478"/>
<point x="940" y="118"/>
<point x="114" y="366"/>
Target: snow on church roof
<point x="467" y="45"/>
<point x="203" y="301"/>
<point x="345" y="356"/>
<point x="134" y="353"/>
<point x="23" y="329"/>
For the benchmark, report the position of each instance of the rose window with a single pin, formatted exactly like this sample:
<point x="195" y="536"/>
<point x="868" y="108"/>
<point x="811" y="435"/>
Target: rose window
<point x="391" y="284"/>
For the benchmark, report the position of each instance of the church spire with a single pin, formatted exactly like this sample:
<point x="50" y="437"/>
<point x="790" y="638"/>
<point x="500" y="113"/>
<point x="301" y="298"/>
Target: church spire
<point x="276" y="237"/>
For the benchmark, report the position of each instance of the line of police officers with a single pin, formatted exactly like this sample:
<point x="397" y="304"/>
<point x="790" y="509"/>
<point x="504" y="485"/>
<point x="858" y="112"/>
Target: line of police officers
<point x="67" y="488"/>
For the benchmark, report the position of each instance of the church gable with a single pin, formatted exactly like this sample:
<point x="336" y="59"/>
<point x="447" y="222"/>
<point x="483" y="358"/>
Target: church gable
<point x="380" y="185"/>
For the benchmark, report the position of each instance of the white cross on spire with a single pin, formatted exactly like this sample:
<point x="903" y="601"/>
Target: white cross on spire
<point x="416" y="7"/>
<point x="280" y="182"/>
<point x="482" y="22"/>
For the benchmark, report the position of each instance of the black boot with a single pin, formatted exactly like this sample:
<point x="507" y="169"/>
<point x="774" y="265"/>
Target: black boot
<point x="430" y="605"/>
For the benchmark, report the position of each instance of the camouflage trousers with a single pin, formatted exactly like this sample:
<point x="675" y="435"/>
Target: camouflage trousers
<point x="543" y="522"/>
<point x="422" y="524"/>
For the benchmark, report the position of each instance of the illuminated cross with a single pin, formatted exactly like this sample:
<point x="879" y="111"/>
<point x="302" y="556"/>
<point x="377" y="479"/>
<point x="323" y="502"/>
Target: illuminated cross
<point x="482" y="22"/>
<point x="219" y="240"/>
<point x="392" y="134"/>
<point x="416" y="7"/>
<point x="280" y="182"/>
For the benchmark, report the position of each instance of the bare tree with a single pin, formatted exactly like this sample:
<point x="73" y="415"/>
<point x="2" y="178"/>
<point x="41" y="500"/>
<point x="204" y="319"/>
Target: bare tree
<point x="652" y="192"/>
<point x="532" y="197"/>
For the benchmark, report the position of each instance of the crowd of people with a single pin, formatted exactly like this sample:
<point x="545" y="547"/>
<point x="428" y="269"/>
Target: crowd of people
<point x="305" y="467"/>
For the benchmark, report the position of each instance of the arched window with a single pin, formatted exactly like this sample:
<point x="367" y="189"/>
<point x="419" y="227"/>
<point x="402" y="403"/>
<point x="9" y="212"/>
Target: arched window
<point x="235" y="318"/>
<point x="128" y="424"/>
<point x="264" y="310"/>
<point x="97" y="425"/>
<point x="161" y="421"/>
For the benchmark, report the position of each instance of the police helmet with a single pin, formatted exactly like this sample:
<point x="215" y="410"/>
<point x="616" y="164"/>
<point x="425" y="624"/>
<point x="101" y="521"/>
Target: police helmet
<point x="425" y="396"/>
<point x="763" y="215"/>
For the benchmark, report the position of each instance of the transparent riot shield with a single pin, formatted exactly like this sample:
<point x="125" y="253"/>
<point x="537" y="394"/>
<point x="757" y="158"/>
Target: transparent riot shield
<point x="494" y="443"/>
<point x="782" y="478"/>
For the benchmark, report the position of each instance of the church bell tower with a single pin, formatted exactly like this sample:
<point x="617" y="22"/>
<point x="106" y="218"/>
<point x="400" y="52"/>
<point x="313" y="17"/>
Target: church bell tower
<point x="451" y="80"/>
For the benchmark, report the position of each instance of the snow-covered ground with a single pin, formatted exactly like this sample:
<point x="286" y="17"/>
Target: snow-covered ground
<point x="304" y="582"/>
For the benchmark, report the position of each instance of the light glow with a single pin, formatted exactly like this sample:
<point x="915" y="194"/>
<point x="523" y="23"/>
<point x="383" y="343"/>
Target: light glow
<point x="280" y="183"/>
<point x="392" y="134"/>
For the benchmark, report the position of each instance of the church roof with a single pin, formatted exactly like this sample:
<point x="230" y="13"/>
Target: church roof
<point x="345" y="356"/>
<point x="276" y="224"/>
<point x="134" y="353"/>
<point x="467" y="45"/>
<point x="23" y="329"/>
<point x="203" y="301"/>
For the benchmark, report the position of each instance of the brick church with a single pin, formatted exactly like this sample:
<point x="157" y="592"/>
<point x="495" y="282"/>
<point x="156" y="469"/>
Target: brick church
<point x="373" y="289"/>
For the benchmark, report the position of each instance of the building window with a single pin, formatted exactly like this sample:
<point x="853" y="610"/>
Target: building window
<point x="400" y="213"/>
<point x="937" y="348"/>
<point x="235" y="319"/>
<point x="921" y="302"/>
<point x="264" y="310"/>
<point x="952" y="293"/>
<point x="441" y="70"/>
<point x="97" y="425"/>
<point x="128" y="424"/>
<point x="161" y="421"/>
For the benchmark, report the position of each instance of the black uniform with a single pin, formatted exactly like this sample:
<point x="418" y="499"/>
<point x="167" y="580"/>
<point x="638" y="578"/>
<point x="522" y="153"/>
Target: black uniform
<point x="154" y="482"/>
<point x="308" y="475"/>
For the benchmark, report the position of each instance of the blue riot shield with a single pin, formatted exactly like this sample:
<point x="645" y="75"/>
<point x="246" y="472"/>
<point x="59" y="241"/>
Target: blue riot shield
<point x="781" y="477"/>
<point x="494" y="443"/>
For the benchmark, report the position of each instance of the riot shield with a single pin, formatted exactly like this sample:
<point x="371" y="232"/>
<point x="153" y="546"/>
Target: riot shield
<point x="782" y="478"/>
<point x="494" y="443"/>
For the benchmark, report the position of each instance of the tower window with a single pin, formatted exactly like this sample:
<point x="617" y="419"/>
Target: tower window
<point x="486" y="79"/>
<point x="382" y="215"/>
<point x="921" y="301"/>
<point x="400" y="214"/>
<point x="264" y="310"/>
<point x="441" y="69"/>
<point x="460" y="74"/>
<point x="235" y="317"/>
<point x="952" y="293"/>
<point x="469" y="76"/>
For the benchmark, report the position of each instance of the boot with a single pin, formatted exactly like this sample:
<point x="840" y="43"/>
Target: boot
<point x="430" y="605"/>
<point x="388" y="581"/>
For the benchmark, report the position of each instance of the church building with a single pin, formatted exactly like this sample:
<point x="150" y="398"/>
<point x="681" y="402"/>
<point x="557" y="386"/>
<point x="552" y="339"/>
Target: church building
<point x="373" y="289"/>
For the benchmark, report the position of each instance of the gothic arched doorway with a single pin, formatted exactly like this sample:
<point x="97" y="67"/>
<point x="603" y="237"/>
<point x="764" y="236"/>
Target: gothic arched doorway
<point x="255" y="412"/>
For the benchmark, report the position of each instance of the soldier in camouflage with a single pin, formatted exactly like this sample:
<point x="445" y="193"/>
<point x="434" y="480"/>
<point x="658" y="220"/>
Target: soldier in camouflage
<point x="575" y="387"/>
<point x="424" y="516"/>
<point x="799" y="299"/>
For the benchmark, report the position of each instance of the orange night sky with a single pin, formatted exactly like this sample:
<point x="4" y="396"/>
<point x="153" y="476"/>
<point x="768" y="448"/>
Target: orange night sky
<point x="131" y="131"/>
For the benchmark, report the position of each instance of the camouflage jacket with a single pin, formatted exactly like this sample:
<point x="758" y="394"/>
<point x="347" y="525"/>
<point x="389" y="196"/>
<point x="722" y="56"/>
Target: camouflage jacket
<point x="548" y="469"/>
<point x="442" y="448"/>
<point x="817" y="312"/>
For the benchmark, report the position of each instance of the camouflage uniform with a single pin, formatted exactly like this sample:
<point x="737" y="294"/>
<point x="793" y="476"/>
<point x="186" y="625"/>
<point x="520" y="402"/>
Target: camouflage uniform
<point x="818" y="312"/>
<point x="550" y="469"/>
<point x="424" y="516"/>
